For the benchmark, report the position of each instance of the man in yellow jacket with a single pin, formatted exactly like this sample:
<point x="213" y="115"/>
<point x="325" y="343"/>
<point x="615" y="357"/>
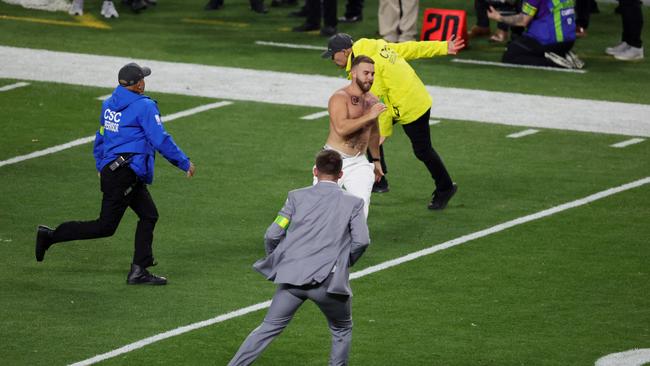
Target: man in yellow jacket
<point x="407" y="100"/>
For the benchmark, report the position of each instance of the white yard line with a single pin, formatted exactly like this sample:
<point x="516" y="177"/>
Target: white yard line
<point x="316" y="115"/>
<point x="291" y="45"/>
<point x="85" y="140"/>
<point x="376" y="268"/>
<point x="433" y="122"/>
<point x="501" y="64"/>
<point x="523" y="133"/>
<point x="13" y="86"/>
<point x="634" y="357"/>
<point x="104" y="97"/>
<point x="534" y="111"/>
<point x="627" y="142"/>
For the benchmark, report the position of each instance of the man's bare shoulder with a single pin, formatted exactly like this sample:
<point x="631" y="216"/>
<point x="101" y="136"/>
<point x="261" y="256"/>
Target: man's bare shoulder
<point x="371" y="98"/>
<point x="339" y="96"/>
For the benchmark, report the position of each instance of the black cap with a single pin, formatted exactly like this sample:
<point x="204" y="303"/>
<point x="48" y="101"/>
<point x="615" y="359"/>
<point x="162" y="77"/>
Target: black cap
<point x="336" y="43"/>
<point x="131" y="73"/>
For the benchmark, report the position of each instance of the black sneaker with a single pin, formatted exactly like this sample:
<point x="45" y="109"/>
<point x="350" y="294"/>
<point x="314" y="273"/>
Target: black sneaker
<point x="328" y="31"/>
<point x="43" y="241"/>
<point x="381" y="186"/>
<point x="258" y="7"/>
<point x="138" y="5"/>
<point x="140" y="276"/>
<point x="213" y="5"/>
<point x="441" y="198"/>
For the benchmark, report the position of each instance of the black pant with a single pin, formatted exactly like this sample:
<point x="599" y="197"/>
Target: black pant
<point x="353" y="8"/>
<point x="583" y="13"/>
<point x="420" y="136"/>
<point x="527" y="51"/>
<point x="632" y="18"/>
<point x="121" y="189"/>
<point x="313" y="8"/>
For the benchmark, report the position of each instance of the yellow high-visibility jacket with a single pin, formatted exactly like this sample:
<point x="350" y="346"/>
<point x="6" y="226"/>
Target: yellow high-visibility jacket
<point x="396" y="83"/>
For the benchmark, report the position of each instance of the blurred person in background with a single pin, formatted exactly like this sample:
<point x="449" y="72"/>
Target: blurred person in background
<point x="631" y="46"/>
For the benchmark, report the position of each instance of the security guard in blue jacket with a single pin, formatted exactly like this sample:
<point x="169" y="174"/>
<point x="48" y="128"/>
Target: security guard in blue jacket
<point x="130" y="132"/>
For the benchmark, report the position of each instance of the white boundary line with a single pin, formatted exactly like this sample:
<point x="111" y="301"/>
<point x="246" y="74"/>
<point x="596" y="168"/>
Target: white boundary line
<point x="291" y="45"/>
<point x="523" y="133"/>
<point x="501" y="64"/>
<point x="376" y="268"/>
<point x="13" y="86"/>
<point x="315" y="115"/>
<point x="103" y="97"/>
<point x="632" y="357"/>
<point x="85" y="140"/>
<point x="433" y="122"/>
<point x="627" y="142"/>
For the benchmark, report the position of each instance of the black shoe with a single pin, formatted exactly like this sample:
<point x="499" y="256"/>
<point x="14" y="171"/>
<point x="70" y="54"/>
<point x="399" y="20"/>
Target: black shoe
<point x="138" y="5"/>
<point x="299" y="13"/>
<point x="441" y="198"/>
<point x="352" y="19"/>
<point x="213" y="5"/>
<point x="258" y="7"/>
<point x="328" y="31"/>
<point x="306" y="28"/>
<point x="381" y="186"/>
<point x="43" y="241"/>
<point x="140" y="276"/>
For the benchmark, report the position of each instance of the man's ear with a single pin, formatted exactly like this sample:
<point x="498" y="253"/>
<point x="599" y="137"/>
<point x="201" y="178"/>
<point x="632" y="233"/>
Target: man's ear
<point x="315" y="171"/>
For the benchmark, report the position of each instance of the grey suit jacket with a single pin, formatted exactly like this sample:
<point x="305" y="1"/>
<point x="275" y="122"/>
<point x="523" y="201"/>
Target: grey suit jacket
<point x="326" y="228"/>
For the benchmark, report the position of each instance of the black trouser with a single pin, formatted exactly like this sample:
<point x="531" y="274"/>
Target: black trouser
<point x="583" y="13"/>
<point x="527" y="51"/>
<point x="353" y="8"/>
<point x="420" y="136"/>
<point x="121" y="189"/>
<point x="632" y="18"/>
<point x="313" y="8"/>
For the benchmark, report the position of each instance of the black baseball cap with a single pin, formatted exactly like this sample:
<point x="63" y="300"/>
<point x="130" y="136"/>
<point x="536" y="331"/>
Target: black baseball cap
<point x="336" y="43"/>
<point x="131" y="73"/>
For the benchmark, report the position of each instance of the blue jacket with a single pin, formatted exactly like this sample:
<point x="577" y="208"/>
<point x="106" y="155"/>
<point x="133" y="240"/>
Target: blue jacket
<point x="131" y="123"/>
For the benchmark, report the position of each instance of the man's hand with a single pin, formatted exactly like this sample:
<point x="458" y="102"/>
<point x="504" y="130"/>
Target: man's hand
<point x="376" y="110"/>
<point x="378" y="171"/>
<point x="190" y="171"/>
<point x="453" y="45"/>
<point x="494" y="14"/>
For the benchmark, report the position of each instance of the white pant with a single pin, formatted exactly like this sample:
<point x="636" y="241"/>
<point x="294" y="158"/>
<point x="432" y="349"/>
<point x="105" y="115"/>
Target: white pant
<point x="358" y="178"/>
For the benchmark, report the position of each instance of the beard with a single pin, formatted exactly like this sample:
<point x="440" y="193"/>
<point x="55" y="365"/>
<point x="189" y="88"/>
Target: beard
<point x="365" y="87"/>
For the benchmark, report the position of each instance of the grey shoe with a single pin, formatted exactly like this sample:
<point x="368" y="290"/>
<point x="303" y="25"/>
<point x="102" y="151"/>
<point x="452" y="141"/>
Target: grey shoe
<point x="617" y="49"/>
<point x="630" y="54"/>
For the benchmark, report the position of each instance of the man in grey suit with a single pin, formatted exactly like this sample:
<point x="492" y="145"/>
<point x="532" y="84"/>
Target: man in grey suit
<point x="320" y="232"/>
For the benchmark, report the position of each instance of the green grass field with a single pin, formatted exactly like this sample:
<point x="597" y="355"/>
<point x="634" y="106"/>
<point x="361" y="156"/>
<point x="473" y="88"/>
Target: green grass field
<point x="564" y="290"/>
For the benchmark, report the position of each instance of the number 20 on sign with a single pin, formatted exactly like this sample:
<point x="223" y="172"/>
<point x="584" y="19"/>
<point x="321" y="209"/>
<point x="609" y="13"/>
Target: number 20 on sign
<point x="441" y="24"/>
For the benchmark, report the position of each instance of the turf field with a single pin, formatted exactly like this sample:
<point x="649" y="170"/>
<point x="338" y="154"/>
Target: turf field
<point x="563" y="290"/>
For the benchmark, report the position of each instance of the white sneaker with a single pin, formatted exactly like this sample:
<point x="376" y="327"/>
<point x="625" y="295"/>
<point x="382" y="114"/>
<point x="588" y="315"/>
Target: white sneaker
<point x="559" y="60"/>
<point x="575" y="60"/>
<point x="617" y="49"/>
<point x="108" y="10"/>
<point x="630" y="54"/>
<point x="77" y="7"/>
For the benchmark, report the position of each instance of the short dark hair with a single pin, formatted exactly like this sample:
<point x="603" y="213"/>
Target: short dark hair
<point x="361" y="59"/>
<point x="329" y="162"/>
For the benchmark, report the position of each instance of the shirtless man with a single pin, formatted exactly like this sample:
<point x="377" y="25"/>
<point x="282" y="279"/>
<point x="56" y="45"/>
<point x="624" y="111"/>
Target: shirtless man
<point x="353" y="130"/>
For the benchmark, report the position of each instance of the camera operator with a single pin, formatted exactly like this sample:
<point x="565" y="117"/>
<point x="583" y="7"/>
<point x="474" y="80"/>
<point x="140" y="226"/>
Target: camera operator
<point x="549" y="36"/>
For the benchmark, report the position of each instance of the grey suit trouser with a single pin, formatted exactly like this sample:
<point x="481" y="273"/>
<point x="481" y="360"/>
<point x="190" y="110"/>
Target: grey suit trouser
<point x="286" y="301"/>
